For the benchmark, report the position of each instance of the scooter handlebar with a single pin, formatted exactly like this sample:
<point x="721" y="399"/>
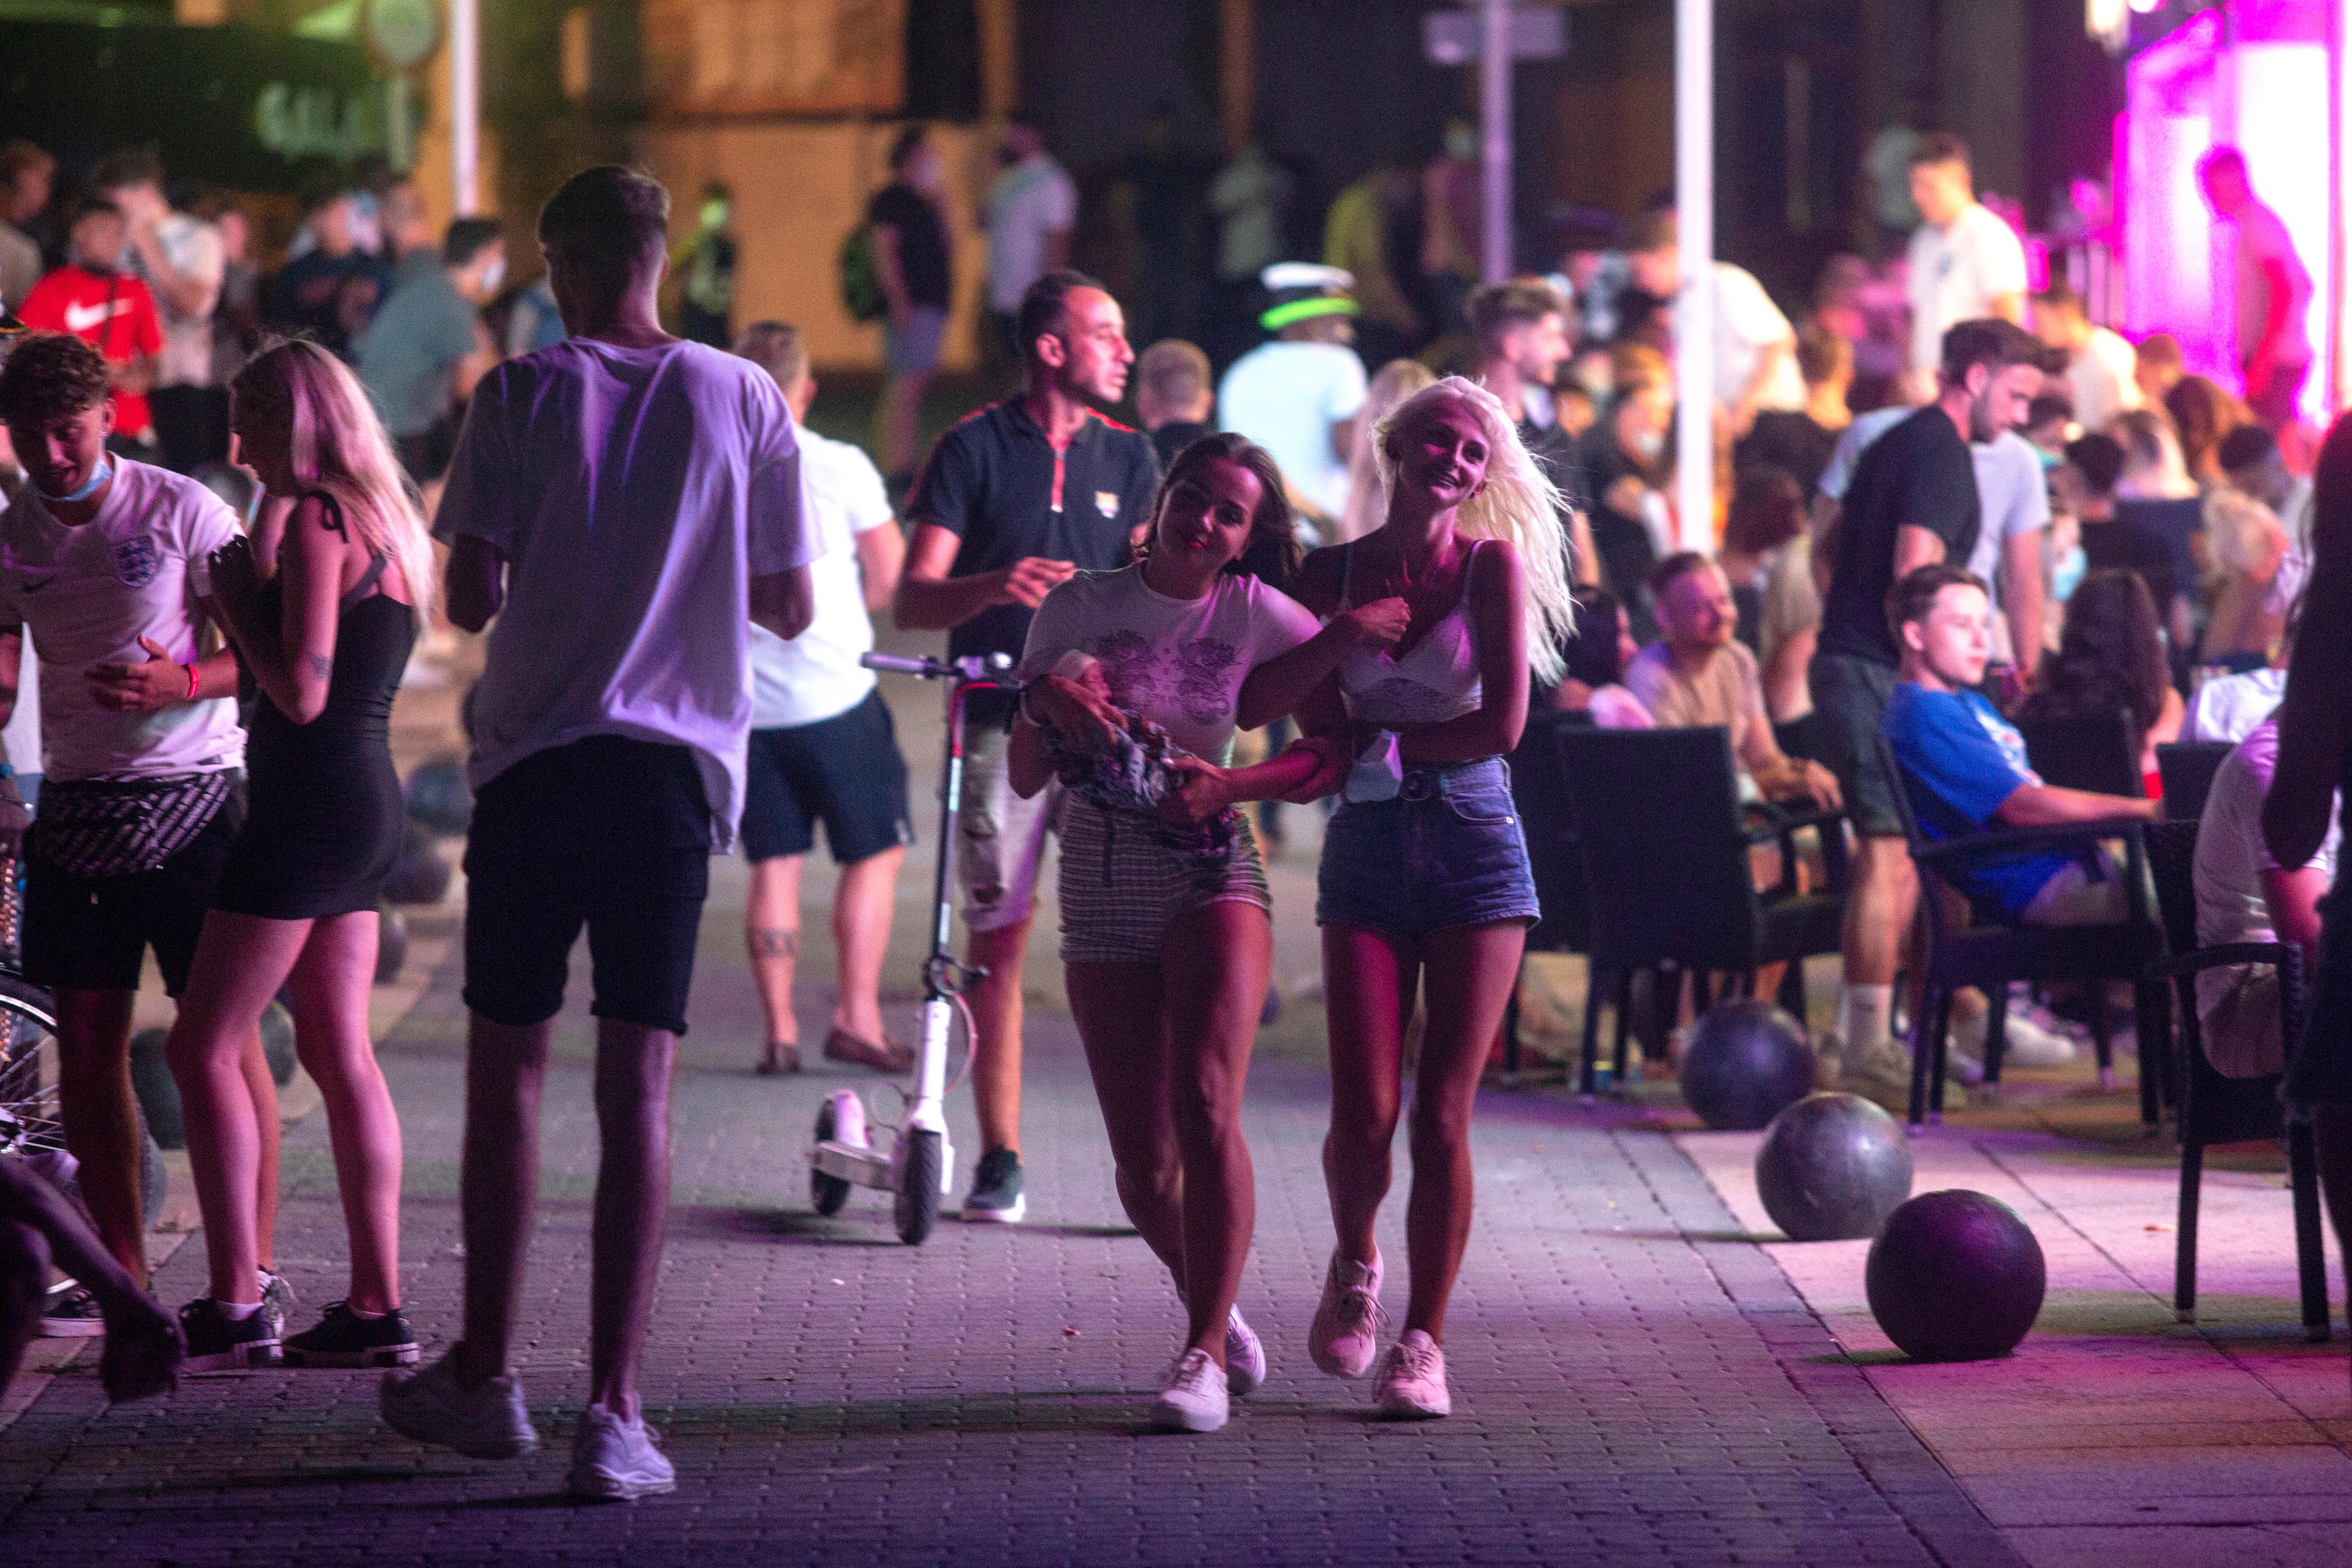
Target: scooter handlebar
<point x="897" y="664"/>
<point x="991" y="668"/>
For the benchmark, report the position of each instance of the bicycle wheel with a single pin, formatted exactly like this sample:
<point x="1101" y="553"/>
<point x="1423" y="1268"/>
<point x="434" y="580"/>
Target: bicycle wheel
<point x="28" y="1102"/>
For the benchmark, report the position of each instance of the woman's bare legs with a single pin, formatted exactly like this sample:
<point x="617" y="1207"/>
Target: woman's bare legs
<point x="241" y="961"/>
<point x="332" y="982"/>
<point x="1368" y="981"/>
<point x="1468" y="973"/>
<point x="1117" y="1007"/>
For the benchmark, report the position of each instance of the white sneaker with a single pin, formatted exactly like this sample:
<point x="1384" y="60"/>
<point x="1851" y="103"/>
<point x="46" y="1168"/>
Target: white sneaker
<point x="1195" y="1398"/>
<point x="614" y="1461"/>
<point x="484" y="1423"/>
<point x="2031" y="1046"/>
<point x="1244" y="1355"/>
<point x="1346" y="1331"/>
<point x="1413" y="1384"/>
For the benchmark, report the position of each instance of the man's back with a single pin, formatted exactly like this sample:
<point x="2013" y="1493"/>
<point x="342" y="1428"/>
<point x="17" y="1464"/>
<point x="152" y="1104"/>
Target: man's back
<point x="633" y="493"/>
<point x="1919" y="474"/>
<point x="1285" y="397"/>
<point x="409" y="352"/>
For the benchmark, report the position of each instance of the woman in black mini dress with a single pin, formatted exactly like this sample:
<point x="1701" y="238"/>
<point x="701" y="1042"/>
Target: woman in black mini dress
<point x="324" y="605"/>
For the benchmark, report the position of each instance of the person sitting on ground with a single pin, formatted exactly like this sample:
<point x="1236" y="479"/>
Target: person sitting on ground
<point x="2154" y="521"/>
<point x="40" y="1226"/>
<point x="1701" y="674"/>
<point x="2110" y="661"/>
<point x="1175" y="397"/>
<point x="2246" y="544"/>
<point x="1769" y="556"/>
<point x="823" y="747"/>
<point x="2203" y="414"/>
<point x="2243" y="895"/>
<point x="1595" y="656"/>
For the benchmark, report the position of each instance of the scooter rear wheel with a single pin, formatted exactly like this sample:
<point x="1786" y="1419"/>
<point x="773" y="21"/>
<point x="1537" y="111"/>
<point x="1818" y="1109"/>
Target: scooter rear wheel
<point x="918" y="1188"/>
<point x="826" y="1194"/>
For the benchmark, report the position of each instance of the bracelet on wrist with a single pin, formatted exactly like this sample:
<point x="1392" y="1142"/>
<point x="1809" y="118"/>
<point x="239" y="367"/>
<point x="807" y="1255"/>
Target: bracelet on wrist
<point x="192" y="680"/>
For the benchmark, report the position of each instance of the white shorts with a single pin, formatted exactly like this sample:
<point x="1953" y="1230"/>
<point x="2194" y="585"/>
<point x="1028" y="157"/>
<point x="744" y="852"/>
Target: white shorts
<point x="999" y="838"/>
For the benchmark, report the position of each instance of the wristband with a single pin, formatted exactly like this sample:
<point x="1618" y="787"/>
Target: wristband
<point x="192" y="680"/>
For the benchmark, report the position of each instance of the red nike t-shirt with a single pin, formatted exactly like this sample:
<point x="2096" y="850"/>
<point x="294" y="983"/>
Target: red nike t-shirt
<point x="114" y="315"/>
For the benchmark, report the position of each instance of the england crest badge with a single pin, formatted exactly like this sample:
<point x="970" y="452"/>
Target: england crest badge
<point x="136" y="562"/>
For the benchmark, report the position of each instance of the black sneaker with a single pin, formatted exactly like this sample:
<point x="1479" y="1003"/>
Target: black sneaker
<point x="995" y="1197"/>
<point x="72" y="1313"/>
<point x="219" y="1343"/>
<point x="277" y="1296"/>
<point x="344" y="1338"/>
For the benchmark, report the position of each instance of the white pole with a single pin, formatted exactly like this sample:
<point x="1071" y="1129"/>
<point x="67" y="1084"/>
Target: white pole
<point x="465" y="104"/>
<point x="1495" y="106"/>
<point x="1695" y="312"/>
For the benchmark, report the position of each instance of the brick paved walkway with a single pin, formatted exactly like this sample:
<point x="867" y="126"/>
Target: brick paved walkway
<point x="1631" y="1384"/>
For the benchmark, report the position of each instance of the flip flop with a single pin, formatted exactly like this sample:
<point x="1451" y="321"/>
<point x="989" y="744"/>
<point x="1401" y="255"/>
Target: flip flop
<point x="889" y="1056"/>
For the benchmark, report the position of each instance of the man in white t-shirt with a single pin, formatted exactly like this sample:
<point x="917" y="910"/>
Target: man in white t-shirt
<point x="183" y="261"/>
<point x="1298" y="394"/>
<point x="1755" y="346"/>
<point x="2102" y="379"/>
<point x="2271" y="291"/>
<point x="1029" y="214"/>
<point x="823" y="747"/>
<point x="1965" y="263"/>
<point x="2243" y="895"/>
<point x="96" y="555"/>
<point x="627" y="505"/>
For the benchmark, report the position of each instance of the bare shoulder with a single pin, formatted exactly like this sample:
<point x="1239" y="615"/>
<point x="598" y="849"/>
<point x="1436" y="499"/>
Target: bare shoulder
<point x="1495" y="567"/>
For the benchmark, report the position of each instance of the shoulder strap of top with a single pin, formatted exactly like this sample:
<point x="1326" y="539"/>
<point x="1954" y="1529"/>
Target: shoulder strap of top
<point x="377" y="560"/>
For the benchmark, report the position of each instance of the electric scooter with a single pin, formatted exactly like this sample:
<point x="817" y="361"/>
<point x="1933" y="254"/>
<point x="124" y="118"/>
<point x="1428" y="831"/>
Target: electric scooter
<point x="920" y="1164"/>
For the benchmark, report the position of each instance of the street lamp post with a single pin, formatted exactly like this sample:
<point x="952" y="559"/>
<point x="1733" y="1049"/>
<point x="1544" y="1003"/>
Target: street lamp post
<point x="1695" y="310"/>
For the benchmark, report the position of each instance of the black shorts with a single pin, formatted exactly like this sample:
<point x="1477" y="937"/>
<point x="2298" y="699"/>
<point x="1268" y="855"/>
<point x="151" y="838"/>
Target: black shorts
<point x="90" y="933"/>
<point x="427" y="455"/>
<point x="845" y="772"/>
<point x="1851" y="696"/>
<point x="609" y="832"/>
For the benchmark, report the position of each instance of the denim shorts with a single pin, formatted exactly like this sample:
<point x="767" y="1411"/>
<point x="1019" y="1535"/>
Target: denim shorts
<point x="1445" y="854"/>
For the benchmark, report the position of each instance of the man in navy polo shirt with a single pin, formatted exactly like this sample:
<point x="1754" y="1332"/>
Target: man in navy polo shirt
<point x="1013" y="501"/>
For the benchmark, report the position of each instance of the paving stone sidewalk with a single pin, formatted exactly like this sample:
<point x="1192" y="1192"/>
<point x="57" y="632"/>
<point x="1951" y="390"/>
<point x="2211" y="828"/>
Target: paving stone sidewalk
<point x="1630" y="1386"/>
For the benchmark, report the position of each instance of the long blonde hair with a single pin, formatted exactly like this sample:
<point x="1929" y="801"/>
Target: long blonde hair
<point x="1368" y="497"/>
<point x="339" y="448"/>
<point x="1516" y="503"/>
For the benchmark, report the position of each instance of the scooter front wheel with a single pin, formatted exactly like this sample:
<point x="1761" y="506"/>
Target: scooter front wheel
<point x="826" y="1193"/>
<point x="919" y="1187"/>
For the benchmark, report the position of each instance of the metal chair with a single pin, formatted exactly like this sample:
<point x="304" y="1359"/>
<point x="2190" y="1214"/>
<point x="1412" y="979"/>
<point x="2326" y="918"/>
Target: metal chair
<point x="1665" y="844"/>
<point x="1990" y="950"/>
<point x="1539" y="792"/>
<point x="2187" y="768"/>
<point x="2217" y="1109"/>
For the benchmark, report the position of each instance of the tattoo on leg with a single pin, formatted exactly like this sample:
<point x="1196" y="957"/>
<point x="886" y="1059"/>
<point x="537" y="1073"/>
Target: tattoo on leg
<point x="321" y="665"/>
<point x="775" y="942"/>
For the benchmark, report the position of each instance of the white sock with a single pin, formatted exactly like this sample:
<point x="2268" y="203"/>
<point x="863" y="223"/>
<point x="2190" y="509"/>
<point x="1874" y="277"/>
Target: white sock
<point x="237" y="1312"/>
<point x="1866" y="1015"/>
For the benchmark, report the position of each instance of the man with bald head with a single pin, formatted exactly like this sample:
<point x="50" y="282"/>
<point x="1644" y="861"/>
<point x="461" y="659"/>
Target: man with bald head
<point x="1014" y="499"/>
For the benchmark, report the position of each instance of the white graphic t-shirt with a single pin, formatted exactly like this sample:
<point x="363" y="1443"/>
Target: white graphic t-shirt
<point x="1177" y="662"/>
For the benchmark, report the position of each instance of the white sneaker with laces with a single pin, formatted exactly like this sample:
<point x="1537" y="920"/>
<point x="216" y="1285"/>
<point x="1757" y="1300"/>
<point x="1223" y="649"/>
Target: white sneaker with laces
<point x="1346" y="1331"/>
<point x="1413" y="1384"/>
<point x="614" y="1460"/>
<point x="2031" y="1046"/>
<point x="1195" y="1398"/>
<point x="487" y="1422"/>
<point x="1244" y="1355"/>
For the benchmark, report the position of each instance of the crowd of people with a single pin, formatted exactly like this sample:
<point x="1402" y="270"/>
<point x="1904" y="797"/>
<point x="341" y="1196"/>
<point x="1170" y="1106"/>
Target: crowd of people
<point x="1402" y="558"/>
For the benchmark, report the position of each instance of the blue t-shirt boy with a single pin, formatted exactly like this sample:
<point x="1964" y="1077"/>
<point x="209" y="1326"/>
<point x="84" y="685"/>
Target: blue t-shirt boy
<point x="1962" y="760"/>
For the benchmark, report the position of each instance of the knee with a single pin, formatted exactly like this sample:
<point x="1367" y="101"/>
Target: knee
<point x="1150" y="1184"/>
<point x="1361" y="1140"/>
<point x="1439" y="1126"/>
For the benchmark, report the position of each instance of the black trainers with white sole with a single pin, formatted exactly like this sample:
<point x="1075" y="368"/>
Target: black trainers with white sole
<point x="71" y="1312"/>
<point x="219" y="1343"/>
<point x="342" y="1338"/>
<point x="995" y="1197"/>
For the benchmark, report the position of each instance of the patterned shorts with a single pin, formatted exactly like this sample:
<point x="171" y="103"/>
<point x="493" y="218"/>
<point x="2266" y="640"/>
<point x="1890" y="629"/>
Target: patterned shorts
<point x="1123" y="884"/>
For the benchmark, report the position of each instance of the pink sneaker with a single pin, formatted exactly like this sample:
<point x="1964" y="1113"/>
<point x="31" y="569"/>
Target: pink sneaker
<point x="1346" y="1331"/>
<point x="1413" y="1384"/>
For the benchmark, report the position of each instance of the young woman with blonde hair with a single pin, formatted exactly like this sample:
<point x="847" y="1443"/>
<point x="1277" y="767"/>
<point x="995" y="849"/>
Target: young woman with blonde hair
<point x="1424" y="884"/>
<point x="323" y="605"/>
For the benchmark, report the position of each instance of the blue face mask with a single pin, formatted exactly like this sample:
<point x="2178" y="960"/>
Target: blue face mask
<point x="2068" y="574"/>
<point x="98" y="476"/>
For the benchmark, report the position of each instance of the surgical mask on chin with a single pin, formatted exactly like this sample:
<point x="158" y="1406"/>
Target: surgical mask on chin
<point x="2068" y="574"/>
<point x="493" y="274"/>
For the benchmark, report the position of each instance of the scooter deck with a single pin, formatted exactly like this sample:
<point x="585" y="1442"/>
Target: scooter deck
<point x="864" y="1167"/>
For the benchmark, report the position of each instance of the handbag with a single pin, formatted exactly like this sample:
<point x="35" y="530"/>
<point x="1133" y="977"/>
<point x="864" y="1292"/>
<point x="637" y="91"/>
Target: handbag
<point x="120" y="828"/>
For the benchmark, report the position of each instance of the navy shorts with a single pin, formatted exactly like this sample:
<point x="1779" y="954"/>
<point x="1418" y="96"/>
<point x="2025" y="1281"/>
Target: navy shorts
<point x="1850" y="695"/>
<point x="92" y="933"/>
<point x="845" y="772"/>
<point x="1446" y="854"/>
<point x="609" y="832"/>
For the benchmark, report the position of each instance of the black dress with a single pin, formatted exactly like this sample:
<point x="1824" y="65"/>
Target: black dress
<point x="325" y="822"/>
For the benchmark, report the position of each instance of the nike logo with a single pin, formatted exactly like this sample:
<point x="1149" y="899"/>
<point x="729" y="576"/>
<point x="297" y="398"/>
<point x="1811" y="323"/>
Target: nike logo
<point x="80" y="319"/>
